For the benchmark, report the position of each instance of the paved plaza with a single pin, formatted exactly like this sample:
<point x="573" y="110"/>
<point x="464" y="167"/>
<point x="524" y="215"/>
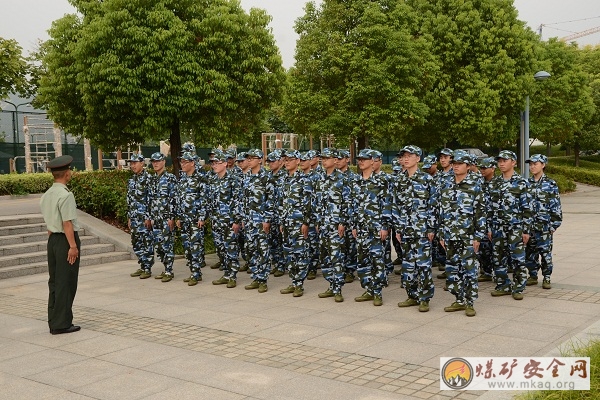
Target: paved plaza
<point x="144" y="339"/>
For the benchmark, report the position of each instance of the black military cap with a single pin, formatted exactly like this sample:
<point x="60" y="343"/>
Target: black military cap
<point x="60" y="163"/>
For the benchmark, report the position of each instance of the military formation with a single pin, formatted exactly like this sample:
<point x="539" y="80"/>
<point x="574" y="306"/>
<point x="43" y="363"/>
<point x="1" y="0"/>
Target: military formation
<point x="308" y="210"/>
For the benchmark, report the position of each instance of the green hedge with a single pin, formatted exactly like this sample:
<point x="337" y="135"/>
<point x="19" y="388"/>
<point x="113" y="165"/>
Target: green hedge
<point x="21" y="184"/>
<point x="583" y="175"/>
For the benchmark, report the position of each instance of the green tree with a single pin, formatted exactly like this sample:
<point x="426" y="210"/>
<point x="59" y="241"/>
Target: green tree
<point x="134" y="70"/>
<point x="361" y="71"/>
<point x="486" y="58"/>
<point x="588" y="137"/>
<point x="13" y="69"/>
<point x="563" y="104"/>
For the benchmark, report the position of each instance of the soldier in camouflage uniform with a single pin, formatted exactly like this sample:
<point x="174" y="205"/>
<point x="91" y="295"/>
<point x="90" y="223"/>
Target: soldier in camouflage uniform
<point x="510" y="223"/>
<point x="370" y="216"/>
<point x="415" y="196"/>
<point x="306" y="161"/>
<point x="461" y="218"/>
<point x="139" y="189"/>
<point x="225" y="192"/>
<point x="331" y="213"/>
<point x="162" y="212"/>
<point x="257" y="211"/>
<point x="387" y="255"/>
<point x="445" y="158"/>
<point x="547" y="218"/>
<point x="487" y="168"/>
<point x="349" y="252"/>
<point x="277" y="175"/>
<point x="294" y="209"/>
<point x="242" y="164"/>
<point x="191" y="215"/>
<point x="430" y="165"/>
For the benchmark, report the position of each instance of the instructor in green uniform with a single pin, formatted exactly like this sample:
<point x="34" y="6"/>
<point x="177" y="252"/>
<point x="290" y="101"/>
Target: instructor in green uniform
<point x="60" y="214"/>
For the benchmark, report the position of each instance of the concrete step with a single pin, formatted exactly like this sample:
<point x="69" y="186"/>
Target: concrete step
<point x="26" y="248"/>
<point x="23" y="238"/>
<point x="41" y="256"/>
<point x="21" y="229"/>
<point x="21" y="219"/>
<point x="42" y="267"/>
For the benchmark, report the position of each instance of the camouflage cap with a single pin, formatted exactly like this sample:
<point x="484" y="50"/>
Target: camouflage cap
<point x="343" y="153"/>
<point x="292" y="154"/>
<point x="212" y="151"/>
<point x="411" y="149"/>
<point x="254" y="153"/>
<point x="507" y="155"/>
<point x="136" y="157"/>
<point x="429" y="161"/>
<point x="537" y="158"/>
<point x="305" y="156"/>
<point x="230" y="153"/>
<point x="446" y="151"/>
<point x="188" y="156"/>
<point x="396" y="167"/>
<point x="313" y="153"/>
<point x="189" y="147"/>
<point x="474" y="159"/>
<point x="219" y="155"/>
<point x="158" y="156"/>
<point x="461" y="157"/>
<point x="365" y="154"/>
<point x="275" y="155"/>
<point x="487" y="162"/>
<point x="329" y="152"/>
<point x="241" y="156"/>
<point x="377" y="155"/>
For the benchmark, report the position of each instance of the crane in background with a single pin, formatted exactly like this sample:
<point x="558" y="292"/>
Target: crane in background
<point x="573" y="35"/>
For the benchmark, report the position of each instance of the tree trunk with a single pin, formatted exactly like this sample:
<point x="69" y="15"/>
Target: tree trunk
<point x="175" y="141"/>
<point x="576" y="151"/>
<point x="548" y="149"/>
<point x="363" y="142"/>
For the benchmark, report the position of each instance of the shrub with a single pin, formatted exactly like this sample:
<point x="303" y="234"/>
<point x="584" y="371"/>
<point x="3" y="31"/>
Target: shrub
<point x="21" y="184"/>
<point x="583" y="175"/>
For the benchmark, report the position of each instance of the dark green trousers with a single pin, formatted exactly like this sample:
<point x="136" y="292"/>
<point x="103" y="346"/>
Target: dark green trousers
<point x="62" y="284"/>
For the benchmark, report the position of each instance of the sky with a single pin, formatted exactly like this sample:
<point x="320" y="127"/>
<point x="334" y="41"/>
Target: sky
<point x="28" y="20"/>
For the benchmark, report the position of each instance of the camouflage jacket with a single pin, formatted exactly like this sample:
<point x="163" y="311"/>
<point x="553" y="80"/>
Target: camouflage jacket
<point x="370" y="206"/>
<point x="295" y="202"/>
<point x="414" y="199"/>
<point x="139" y="189"/>
<point x="331" y="199"/>
<point x="510" y="203"/>
<point x="257" y="205"/>
<point x="546" y="208"/>
<point x="461" y="210"/>
<point x="224" y="197"/>
<point x="191" y="197"/>
<point x="163" y="200"/>
<point x="276" y="182"/>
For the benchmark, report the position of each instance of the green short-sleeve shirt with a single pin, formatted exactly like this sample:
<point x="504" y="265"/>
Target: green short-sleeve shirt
<point x="58" y="205"/>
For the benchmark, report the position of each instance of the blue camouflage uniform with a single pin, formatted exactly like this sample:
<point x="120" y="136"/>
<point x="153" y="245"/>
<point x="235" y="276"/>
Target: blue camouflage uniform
<point x="547" y="218"/>
<point x="224" y="211"/>
<point x="370" y="213"/>
<point x="313" y="236"/>
<point x="294" y="211"/>
<point x="275" y="239"/>
<point x="139" y="191"/>
<point x="257" y="208"/>
<point x="332" y="196"/>
<point x="510" y="218"/>
<point x="162" y="210"/>
<point x="241" y="235"/>
<point x="485" y="255"/>
<point x="349" y="251"/>
<point x="191" y="209"/>
<point x="415" y="200"/>
<point x="461" y="220"/>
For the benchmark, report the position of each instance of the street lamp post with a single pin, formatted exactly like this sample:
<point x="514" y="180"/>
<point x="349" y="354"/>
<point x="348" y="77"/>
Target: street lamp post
<point x="15" y="124"/>
<point x="539" y="76"/>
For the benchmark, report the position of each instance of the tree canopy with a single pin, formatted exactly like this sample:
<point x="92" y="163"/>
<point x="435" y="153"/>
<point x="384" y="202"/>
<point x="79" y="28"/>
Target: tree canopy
<point x="131" y="70"/>
<point x="13" y="68"/>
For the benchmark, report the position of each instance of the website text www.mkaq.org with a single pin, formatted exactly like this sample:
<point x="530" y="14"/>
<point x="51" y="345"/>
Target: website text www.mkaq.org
<point x="531" y="385"/>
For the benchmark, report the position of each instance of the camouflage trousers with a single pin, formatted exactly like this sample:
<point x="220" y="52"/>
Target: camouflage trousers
<point x="276" y="248"/>
<point x="331" y="258"/>
<point x="485" y="256"/>
<point x="371" y="265"/>
<point x="164" y="241"/>
<point x="241" y="238"/>
<point x="416" y="276"/>
<point x="508" y="249"/>
<point x="387" y="256"/>
<point x="192" y="238"/>
<point x="256" y="242"/>
<point x="226" y="244"/>
<point x="349" y="252"/>
<point x="396" y="243"/>
<point x="313" y="245"/>
<point x="295" y="251"/>
<point x="461" y="271"/>
<point x="142" y="243"/>
<point x="539" y="254"/>
<point x="438" y="253"/>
